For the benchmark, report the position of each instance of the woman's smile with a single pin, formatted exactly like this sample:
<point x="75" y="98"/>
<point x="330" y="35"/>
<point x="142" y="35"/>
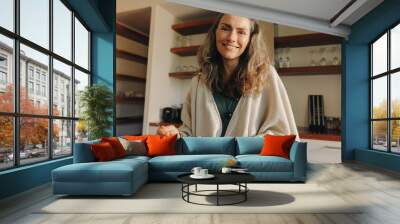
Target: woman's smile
<point x="232" y="36"/>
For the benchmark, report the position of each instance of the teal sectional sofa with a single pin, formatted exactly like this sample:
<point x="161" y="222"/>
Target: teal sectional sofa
<point x="125" y="176"/>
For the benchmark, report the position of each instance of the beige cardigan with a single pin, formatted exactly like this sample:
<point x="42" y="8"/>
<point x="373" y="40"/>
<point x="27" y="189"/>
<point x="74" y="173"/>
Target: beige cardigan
<point x="269" y="112"/>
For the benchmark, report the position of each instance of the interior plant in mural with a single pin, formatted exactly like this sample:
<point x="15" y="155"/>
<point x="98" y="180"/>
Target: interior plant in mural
<point x="96" y="104"/>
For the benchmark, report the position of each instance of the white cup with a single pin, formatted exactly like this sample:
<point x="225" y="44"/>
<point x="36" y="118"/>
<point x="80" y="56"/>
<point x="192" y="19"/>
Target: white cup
<point x="196" y="171"/>
<point x="203" y="172"/>
<point x="226" y="170"/>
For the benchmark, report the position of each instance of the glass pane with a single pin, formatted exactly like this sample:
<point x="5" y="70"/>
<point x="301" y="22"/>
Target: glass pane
<point x="62" y="28"/>
<point x="81" y="45"/>
<point x="6" y="74"/>
<point x="62" y="138"/>
<point x="395" y="94"/>
<point x="34" y="82"/>
<point x="379" y="135"/>
<point x="379" y="55"/>
<point x="379" y="97"/>
<point x="6" y="142"/>
<point x="81" y="132"/>
<point x="62" y="89"/>
<point x="395" y="136"/>
<point x="33" y="140"/>
<point x="81" y="81"/>
<point x="395" y="47"/>
<point x="7" y="14"/>
<point x="35" y="21"/>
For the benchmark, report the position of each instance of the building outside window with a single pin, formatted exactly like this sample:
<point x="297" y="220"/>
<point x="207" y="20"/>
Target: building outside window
<point x="385" y="92"/>
<point x="34" y="75"/>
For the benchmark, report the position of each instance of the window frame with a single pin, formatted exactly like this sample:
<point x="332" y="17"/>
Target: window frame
<point x="16" y="114"/>
<point x="388" y="74"/>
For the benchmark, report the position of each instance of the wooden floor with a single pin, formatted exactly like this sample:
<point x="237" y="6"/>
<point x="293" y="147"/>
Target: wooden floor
<point x="379" y="189"/>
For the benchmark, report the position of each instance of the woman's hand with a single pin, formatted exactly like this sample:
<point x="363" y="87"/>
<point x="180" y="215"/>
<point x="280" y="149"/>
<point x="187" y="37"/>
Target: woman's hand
<point x="167" y="130"/>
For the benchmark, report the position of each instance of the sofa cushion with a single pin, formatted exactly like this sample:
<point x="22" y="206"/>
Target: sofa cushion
<point x="134" y="147"/>
<point x="83" y="152"/>
<point x="161" y="145"/>
<point x="116" y="145"/>
<point x="249" y="145"/>
<point x="277" y="145"/>
<point x="208" y="145"/>
<point x="257" y="163"/>
<point x="111" y="171"/>
<point x="185" y="163"/>
<point x="103" y="152"/>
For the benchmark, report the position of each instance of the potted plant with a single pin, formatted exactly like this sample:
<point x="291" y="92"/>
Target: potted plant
<point x="96" y="103"/>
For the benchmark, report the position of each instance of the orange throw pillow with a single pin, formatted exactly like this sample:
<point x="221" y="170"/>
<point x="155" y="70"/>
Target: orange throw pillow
<point x="103" y="151"/>
<point x="277" y="145"/>
<point x="135" y="137"/>
<point x="161" y="145"/>
<point x="116" y="145"/>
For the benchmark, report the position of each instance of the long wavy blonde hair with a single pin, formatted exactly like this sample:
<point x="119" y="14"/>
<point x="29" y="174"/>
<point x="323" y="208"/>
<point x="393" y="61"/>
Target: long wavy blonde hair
<point x="249" y="76"/>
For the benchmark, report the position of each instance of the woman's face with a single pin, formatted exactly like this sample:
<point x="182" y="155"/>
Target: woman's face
<point x="232" y="36"/>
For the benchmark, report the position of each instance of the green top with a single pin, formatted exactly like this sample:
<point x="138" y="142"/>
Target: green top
<point x="226" y="106"/>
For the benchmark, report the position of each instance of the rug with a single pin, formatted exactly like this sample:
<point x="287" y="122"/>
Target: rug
<point x="166" y="198"/>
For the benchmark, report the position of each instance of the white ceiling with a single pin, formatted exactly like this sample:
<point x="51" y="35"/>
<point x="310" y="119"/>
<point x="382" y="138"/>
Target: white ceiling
<point x="312" y="15"/>
<point x="319" y="9"/>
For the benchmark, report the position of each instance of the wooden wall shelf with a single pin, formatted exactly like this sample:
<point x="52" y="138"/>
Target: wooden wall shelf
<point x="324" y="137"/>
<point x="131" y="99"/>
<point x="311" y="70"/>
<point x="194" y="26"/>
<point x="328" y="135"/>
<point x="130" y="119"/>
<point x="124" y="77"/>
<point x="131" y="34"/>
<point x="185" y="51"/>
<point x="157" y="124"/>
<point x="306" y="40"/>
<point x="182" y="75"/>
<point x="131" y="56"/>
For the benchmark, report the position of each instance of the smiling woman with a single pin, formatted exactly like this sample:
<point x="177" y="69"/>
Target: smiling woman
<point x="237" y="91"/>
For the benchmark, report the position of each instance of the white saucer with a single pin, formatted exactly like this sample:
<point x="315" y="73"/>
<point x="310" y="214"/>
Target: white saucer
<point x="208" y="176"/>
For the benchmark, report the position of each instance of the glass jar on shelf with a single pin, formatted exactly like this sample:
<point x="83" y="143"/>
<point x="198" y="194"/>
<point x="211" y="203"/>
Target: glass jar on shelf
<point x="322" y="60"/>
<point x="312" y="56"/>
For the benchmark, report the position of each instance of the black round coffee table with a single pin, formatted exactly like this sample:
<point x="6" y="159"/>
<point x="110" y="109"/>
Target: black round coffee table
<point x="238" y="179"/>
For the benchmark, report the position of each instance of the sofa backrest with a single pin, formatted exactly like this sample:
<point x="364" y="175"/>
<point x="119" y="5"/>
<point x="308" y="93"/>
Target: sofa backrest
<point x="83" y="152"/>
<point x="249" y="145"/>
<point x="207" y="145"/>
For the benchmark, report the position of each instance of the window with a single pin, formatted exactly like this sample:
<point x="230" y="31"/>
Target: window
<point x="45" y="131"/>
<point x="43" y="77"/>
<point x="3" y="61"/>
<point x="7" y="14"/>
<point x="38" y="89"/>
<point x="37" y="74"/>
<point x="3" y="72"/>
<point x="30" y="72"/>
<point x="7" y="74"/>
<point x="30" y="87"/>
<point x="44" y="91"/>
<point x="385" y="94"/>
<point x="81" y="45"/>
